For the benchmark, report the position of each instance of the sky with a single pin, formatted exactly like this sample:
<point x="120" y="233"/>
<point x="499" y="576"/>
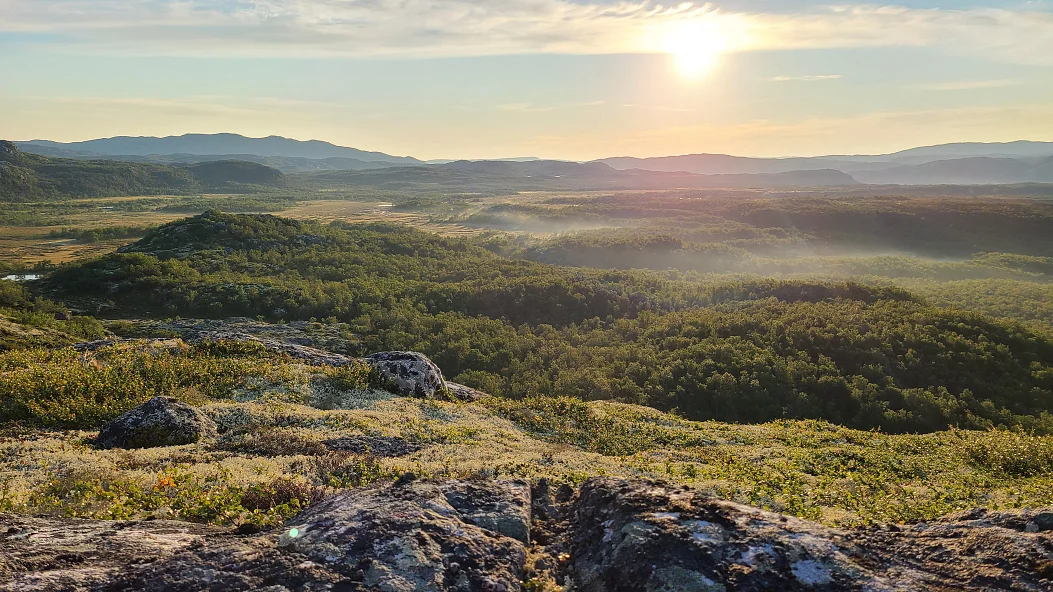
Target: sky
<point x="569" y="79"/>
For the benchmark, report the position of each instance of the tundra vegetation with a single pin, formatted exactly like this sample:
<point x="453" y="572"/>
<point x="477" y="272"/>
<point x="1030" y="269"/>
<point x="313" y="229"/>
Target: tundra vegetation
<point x="841" y="356"/>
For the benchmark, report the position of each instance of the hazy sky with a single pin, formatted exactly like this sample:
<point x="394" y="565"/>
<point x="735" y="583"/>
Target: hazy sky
<point x="575" y="79"/>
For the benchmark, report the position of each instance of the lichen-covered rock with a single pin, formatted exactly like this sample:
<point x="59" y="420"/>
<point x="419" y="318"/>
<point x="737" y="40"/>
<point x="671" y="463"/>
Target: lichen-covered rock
<point x="47" y="555"/>
<point x="640" y="536"/>
<point x="161" y="421"/>
<point x="408" y="373"/>
<point x="401" y="538"/>
<point x="469" y="536"/>
<point x="409" y="537"/>
<point x="379" y="446"/>
<point x="499" y="506"/>
<point x="463" y="393"/>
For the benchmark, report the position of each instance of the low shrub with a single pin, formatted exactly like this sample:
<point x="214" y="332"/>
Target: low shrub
<point x="64" y="388"/>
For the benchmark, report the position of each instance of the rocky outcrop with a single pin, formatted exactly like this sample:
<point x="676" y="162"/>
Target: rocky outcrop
<point x="161" y="421"/>
<point x="411" y="536"/>
<point x="612" y="535"/>
<point x="633" y="536"/>
<point x="466" y="394"/>
<point x="379" y="446"/>
<point x="408" y="373"/>
<point x="48" y="555"/>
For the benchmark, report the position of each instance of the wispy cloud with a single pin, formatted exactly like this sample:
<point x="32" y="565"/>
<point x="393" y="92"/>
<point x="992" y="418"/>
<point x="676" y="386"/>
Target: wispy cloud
<point x="814" y="78"/>
<point x="190" y="106"/>
<point x="660" y="108"/>
<point x="429" y="28"/>
<point x="524" y="108"/>
<point x="970" y="84"/>
<point x="532" y="108"/>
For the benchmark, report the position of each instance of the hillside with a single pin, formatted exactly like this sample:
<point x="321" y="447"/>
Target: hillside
<point x="213" y="144"/>
<point x="964" y="164"/>
<point x="277" y="451"/>
<point x="254" y="412"/>
<point x="1019" y="148"/>
<point x="747" y="351"/>
<point x="496" y="177"/>
<point x="285" y="164"/>
<point x="978" y="171"/>
<point x="26" y="176"/>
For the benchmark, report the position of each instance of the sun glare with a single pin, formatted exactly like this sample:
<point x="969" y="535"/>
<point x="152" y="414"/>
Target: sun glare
<point x="695" y="48"/>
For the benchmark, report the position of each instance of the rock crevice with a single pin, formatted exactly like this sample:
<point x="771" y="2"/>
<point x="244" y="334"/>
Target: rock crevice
<point x="611" y="535"/>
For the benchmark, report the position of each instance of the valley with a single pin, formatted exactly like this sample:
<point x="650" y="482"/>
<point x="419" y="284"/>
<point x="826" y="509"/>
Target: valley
<point x="855" y="356"/>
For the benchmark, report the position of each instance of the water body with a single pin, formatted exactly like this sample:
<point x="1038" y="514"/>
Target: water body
<point x="26" y="277"/>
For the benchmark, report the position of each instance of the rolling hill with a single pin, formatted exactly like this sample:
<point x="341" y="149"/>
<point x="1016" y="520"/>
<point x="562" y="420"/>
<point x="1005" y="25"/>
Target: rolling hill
<point x="978" y="170"/>
<point x="499" y="176"/>
<point x="1017" y="162"/>
<point x="31" y="176"/>
<point x="208" y="144"/>
<point x="285" y="164"/>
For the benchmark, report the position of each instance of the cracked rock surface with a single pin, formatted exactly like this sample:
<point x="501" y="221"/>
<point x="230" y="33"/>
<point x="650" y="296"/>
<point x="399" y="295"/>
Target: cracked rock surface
<point x="613" y="535"/>
<point x="638" y="536"/>
<point x="405" y="537"/>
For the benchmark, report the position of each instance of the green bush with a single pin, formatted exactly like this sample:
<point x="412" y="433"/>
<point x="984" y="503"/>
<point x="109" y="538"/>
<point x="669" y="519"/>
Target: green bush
<point x="63" y="388"/>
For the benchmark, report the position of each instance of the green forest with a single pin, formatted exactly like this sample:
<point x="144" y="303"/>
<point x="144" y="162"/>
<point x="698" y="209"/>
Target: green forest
<point x="733" y="349"/>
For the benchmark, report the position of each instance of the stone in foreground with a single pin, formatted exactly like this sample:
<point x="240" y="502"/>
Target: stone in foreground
<point x="614" y="535"/>
<point x="408" y="373"/>
<point x="452" y="536"/>
<point x="161" y="421"/>
<point x="639" y="536"/>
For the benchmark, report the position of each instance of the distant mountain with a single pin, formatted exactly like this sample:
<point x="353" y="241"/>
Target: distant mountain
<point x="543" y="168"/>
<point x="964" y="171"/>
<point x="210" y="144"/>
<point x="285" y="164"/>
<point x="497" y="177"/>
<point x="514" y="159"/>
<point x="723" y="164"/>
<point x="715" y="164"/>
<point x="31" y="176"/>
<point x="966" y="149"/>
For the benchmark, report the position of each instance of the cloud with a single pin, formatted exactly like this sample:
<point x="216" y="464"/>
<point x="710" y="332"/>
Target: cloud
<point x="814" y="78"/>
<point x="659" y="108"/>
<point x="434" y="28"/>
<point x="970" y="84"/>
<point x="524" y="108"/>
<point x="532" y="108"/>
<point x="191" y="106"/>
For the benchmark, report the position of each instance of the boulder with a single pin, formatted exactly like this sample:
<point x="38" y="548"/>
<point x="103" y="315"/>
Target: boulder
<point x="49" y="555"/>
<point x="637" y="535"/>
<point x="379" y="446"/>
<point x="409" y="374"/>
<point x="613" y="535"/>
<point x="414" y="537"/>
<point x="466" y="394"/>
<point x="161" y="421"/>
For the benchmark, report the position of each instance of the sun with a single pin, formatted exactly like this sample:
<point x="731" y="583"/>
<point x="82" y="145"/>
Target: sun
<point x="696" y="48"/>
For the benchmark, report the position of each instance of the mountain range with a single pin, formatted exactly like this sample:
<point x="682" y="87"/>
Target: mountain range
<point x="207" y="145"/>
<point x="958" y="164"/>
<point x="26" y="176"/>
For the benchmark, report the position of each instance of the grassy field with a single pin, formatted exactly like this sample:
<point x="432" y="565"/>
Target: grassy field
<point x="276" y="415"/>
<point x="30" y="244"/>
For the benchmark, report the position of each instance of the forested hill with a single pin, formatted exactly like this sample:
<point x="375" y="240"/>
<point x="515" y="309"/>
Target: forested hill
<point x="26" y="176"/>
<point x="745" y="351"/>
